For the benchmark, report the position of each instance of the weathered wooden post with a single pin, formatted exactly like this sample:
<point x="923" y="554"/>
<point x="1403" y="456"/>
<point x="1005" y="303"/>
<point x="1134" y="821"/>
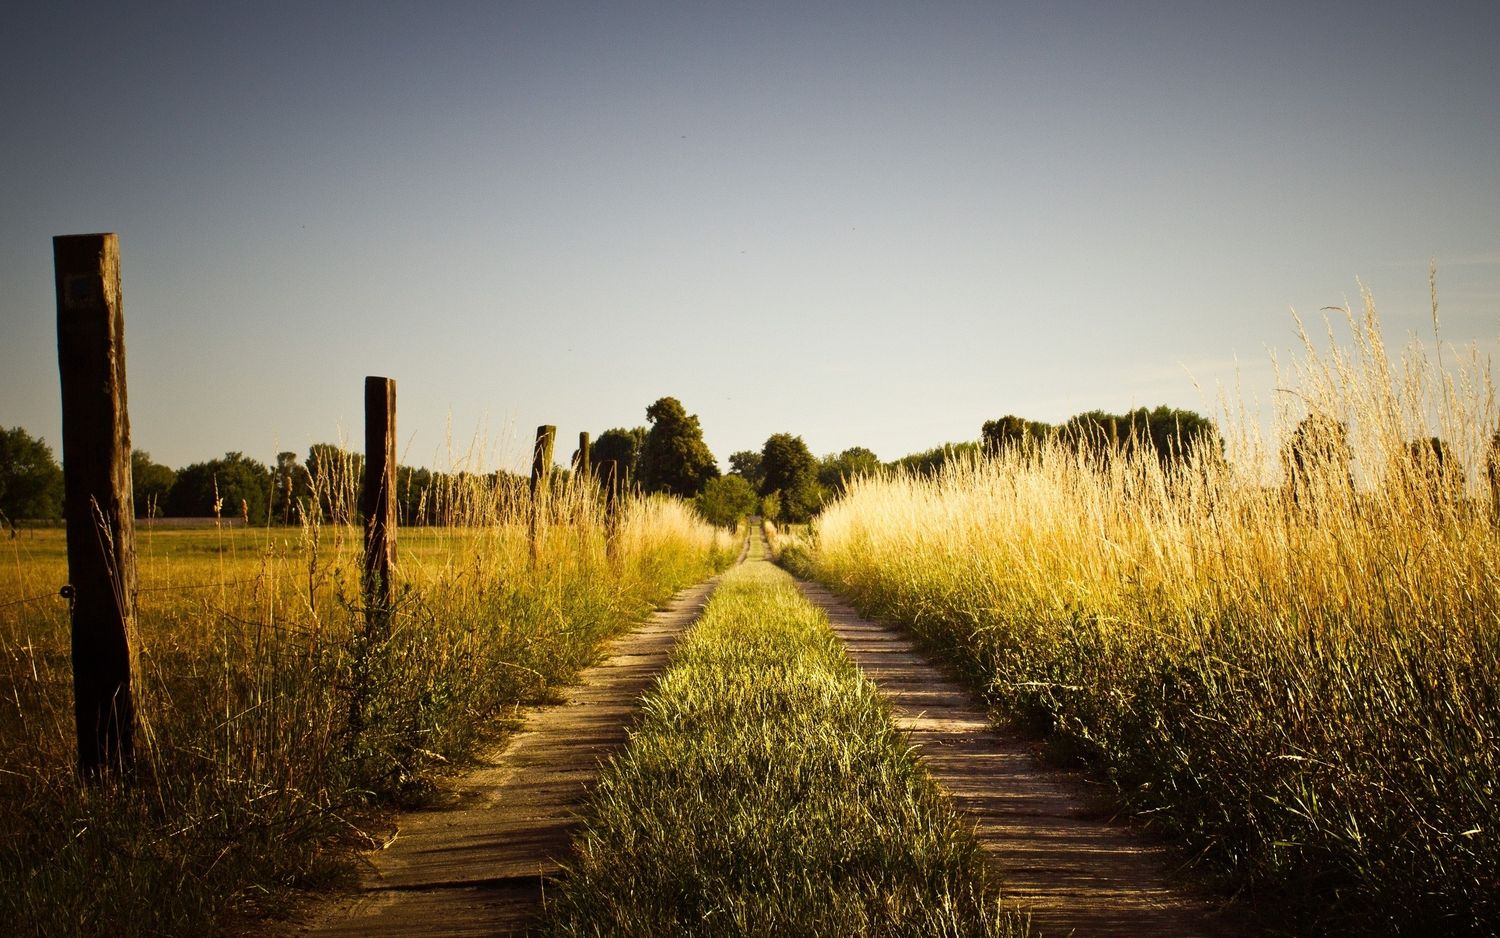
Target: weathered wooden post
<point x="541" y="474"/>
<point x="379" y="504"/>
<point x="99" y="510"/>
<point x="584" y="463"/>
<point x="608" y="477"/>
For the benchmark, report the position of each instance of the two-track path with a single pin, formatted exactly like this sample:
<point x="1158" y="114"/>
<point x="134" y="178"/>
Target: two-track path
<point x="479" y="867"/>
<point x="1058" y="854"/>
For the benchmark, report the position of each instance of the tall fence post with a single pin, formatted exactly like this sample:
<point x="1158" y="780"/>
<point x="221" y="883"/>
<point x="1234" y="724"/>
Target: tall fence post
<point x="379" y="503"/>
<point x="99" y="509"/>
<point x="541" y="474"/>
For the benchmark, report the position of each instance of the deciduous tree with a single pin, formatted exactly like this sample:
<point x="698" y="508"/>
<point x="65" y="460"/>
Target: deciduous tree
<point x="836" y="469"/>
<point x="231" y="487"/>
<point x="725" y="500"/>
<point x="151" y="482"/>
<point x="791" y="470"/>
<point x="31" y="482"/>
<point x="675" y="459"/>
<point x="1011" y="432"/>
<point x="746" y="465"/>
<point x="623" y="448"/>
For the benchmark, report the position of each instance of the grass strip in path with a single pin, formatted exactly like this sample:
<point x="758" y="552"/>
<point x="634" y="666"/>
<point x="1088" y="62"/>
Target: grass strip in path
<point x="767" y="791"/>
<point x="1060" y="856"/>
<point x="479" y="867"/>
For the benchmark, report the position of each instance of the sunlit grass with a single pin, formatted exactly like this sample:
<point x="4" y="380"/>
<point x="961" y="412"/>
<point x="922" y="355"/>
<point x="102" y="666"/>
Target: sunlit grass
<point x="767" y="791"/>
<point x="1302" y="681"/>
<point x="252" y="779"/>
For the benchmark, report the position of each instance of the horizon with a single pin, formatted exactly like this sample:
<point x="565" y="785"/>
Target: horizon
<point x="865" y="226"/>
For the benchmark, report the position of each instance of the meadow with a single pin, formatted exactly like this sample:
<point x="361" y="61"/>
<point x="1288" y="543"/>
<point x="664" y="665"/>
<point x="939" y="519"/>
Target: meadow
<point x="766" y="790"/>
<point x="254" y="782"/>
<point x="1290" y="662"/>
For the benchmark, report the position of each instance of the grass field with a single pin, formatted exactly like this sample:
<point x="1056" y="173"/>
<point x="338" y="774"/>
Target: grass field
<point x="1301" y="681"/>
<point x="251" y="781"/>
<point x="767" y="791"/>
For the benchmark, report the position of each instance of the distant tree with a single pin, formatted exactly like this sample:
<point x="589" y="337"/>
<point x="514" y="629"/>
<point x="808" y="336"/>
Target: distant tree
<point x="928" y="463"/>
<point x="836" y="469"/>
<point x="746" y="465"/>
<point x="725" y="500"/>
<point x="1011" y="432"/>
<point x="415" y="502"/>
<point x="1435" y="469"/>
<point x="1172" y="435"/>
<point x="230" y="487"/>
<point x="335" y="479"/>
<point x="623" y="447"/>
<point x="291" y="489"/>
<point x="1318" y="457"/>
<point x="770" y="507"/>
<point x="150" y="484"/>
<point x="792" y="471"/>
<point x="675" y="459"/>
<point x="31" y="481"/>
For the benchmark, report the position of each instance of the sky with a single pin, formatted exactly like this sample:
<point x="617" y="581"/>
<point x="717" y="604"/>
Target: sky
<point x="868" y="224"/>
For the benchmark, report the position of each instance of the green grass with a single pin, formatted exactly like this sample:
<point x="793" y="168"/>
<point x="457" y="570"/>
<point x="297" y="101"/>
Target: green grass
<point x="767" y="791"/>
<point x="252" y="783"/>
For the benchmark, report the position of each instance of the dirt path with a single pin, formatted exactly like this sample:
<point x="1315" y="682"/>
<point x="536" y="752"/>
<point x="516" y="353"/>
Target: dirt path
<point x="480" y="866"/>
<point x="1060" y="857"/>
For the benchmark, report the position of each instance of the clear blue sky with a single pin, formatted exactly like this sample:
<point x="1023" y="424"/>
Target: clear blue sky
<point x="868" y="224"/>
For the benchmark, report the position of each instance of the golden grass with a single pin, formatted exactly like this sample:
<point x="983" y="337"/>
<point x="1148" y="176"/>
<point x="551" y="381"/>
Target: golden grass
<point x="252" y="778"/>
<point x="1302" y="679"/>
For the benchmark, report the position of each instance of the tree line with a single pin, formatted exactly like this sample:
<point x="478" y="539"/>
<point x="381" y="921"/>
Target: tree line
<point x="782" y="480"/>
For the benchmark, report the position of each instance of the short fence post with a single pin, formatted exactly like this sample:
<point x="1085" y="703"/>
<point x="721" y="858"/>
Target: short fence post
<point x="541" y="474"/>
<point x="583" y="464"/>
<point x="380" y="503"/>
<point x="608" y="477"/>
<point x="99" y="509"/>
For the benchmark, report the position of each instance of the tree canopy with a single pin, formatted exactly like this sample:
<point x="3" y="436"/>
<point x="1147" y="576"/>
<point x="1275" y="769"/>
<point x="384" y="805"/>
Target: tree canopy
<point x="746" y="465"/>
<point x="929" y="462"/>
<point x="336" y="478"/>
<point x="31" y="481"/>
<point x="836" y="469"/>
<point x="241" y="486"/>
<point x="725" y="500"/>
<point x="623" y="448"/>
<point x="1318" y="450"/>
<point x="675" y="459"/>
<point x="1173" y="435"/>
<point x="1011" y="431"/>
<point x="151" y="483"/>
<point x="791" y="473"/>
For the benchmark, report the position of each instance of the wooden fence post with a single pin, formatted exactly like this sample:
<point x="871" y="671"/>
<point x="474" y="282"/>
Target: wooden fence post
<point x="99" y="509"/>
<point x="541" y="475"/>
<point x="584" y="463"/>
<point x="380" y="504"/>
<point x="608" y="477"/>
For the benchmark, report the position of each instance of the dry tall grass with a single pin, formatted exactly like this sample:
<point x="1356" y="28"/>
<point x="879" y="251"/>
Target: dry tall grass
<point x="252" y="773"/>
<point x="1297" y="669"/>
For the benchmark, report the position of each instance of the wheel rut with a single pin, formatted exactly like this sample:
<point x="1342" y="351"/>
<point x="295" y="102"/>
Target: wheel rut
<point x="480" y="865"/>
<point x="1060" y="857"/>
